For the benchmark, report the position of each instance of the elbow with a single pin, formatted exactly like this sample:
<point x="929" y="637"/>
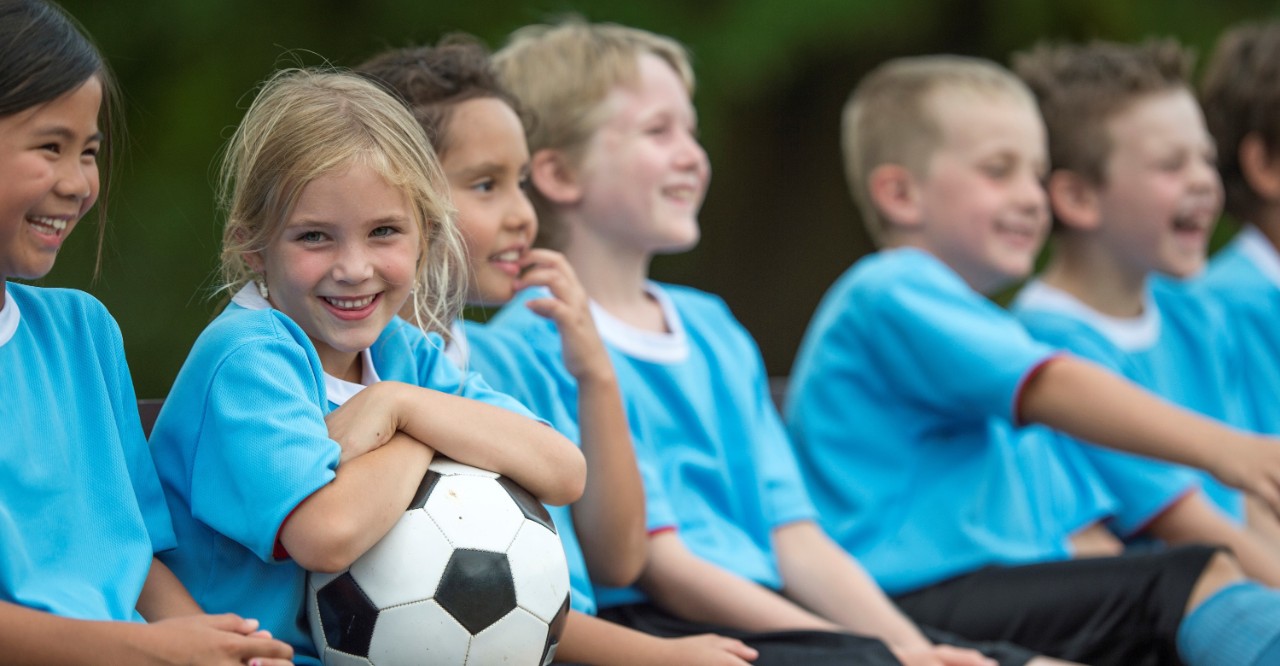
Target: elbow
<point x="622" y="571"/>
<point x="570" y="477"/>
<point x="332" y="554"/>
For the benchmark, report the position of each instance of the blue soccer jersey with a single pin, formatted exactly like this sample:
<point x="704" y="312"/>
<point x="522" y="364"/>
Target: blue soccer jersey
<point x="1175" y="349"/>
<point x="1245" y="279"/>
<point x="241" y="441"/>
<point x="698" y="403"/>
<point x="902" y="409"/>
<point x="81" y="509"/>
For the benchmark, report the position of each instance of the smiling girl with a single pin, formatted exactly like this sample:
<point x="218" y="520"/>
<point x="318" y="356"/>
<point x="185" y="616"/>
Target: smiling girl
<point x="306" y="414"/>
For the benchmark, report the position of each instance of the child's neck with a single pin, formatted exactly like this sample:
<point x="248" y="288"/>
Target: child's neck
<point x="1096" y="278"/>
<point x="615" y="278"/>
<point x="1268" y="222"/>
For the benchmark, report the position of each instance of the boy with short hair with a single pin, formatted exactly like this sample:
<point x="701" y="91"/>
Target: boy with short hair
<point x="1241" y="97"/>
<point x="1134" y="195"/>
<point x="618" y="177"/>
<point x="910" y="385"/>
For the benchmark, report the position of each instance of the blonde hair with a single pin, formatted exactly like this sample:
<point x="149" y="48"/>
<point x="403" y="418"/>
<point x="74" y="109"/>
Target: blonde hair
<point x="307" y="123"/>
<point x="561" y="73"/>
<point x="889" y="119"/>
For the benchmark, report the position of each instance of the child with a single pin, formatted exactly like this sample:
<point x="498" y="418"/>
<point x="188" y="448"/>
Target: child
<point x="1129" y="214"/>
<point x="1240" y="106"/>
<point x="83" y="511"/>
<point x="297" y="430"/>
<point x="619" y="177"/>
<point x="909" y="385"/>
<point x="473" y="126"/>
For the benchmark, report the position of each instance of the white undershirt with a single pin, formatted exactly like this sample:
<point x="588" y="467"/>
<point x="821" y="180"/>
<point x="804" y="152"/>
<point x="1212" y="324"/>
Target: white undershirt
<point x="672" y="347"/>
<point x="1130" y="334"/>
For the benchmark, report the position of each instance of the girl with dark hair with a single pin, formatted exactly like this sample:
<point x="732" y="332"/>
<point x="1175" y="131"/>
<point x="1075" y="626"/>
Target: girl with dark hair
<point x="81" y="510"/>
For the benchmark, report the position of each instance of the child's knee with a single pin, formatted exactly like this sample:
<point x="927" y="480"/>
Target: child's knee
<point x="1223" y="569"/>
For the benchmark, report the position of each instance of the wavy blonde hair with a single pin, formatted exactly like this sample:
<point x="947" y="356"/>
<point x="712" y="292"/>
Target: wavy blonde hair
<point x="306" y="123"/>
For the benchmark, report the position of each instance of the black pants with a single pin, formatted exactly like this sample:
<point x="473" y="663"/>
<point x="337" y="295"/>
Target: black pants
<point x="792" y="648"/>
<point x="1122" y="611"/>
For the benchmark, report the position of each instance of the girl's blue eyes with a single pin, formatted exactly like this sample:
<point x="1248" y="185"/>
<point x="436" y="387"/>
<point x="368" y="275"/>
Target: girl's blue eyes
<point x="383" y="232"/>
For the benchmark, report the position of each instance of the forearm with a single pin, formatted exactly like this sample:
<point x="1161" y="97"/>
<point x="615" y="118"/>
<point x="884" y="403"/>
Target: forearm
<point x="820" y="576"/>
<point x="696" y="590"/>
<point x="1095" y="541"/>
<point x="163" y="595"/>
<point x="476" y="433"/>
<point x="590" y="640"/>
<point x="1193" y="520"/>
<point x="610" y="516"/>
<point x="1093" y="404"/>
<point x="1263" y="523"/>
<point x="38" y="638"/>
<point x="342" y="520"/>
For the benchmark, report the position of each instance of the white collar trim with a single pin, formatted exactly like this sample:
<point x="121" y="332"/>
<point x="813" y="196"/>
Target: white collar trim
<point x="672" y="347"/>
<point x="9" y="317"/>
<point x="1130" y="334"/>
<point x="338" y="391"/>
<point x="458" y="350"/>
<point x="1258" y="250"/>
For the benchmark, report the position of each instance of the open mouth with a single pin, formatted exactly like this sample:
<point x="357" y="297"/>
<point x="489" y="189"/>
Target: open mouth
<point x="52" y="226"/>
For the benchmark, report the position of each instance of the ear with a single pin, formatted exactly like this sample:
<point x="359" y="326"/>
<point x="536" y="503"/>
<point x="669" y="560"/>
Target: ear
<point x="254" y="259"/>
<point x="1073" y="200"/>
<point x="1261" y="169"/>
<point x="893" y="192"/>
<point x="555" y="178"/>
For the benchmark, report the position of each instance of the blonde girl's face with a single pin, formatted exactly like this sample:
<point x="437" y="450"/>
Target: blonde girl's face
<point x="344" y="263"/>
<point x="48" y="178"/>
<point x="487" y="166"/>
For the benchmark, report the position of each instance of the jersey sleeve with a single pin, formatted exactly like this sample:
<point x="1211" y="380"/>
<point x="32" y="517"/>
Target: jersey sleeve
<point x="142" y="469"/>
<point x="263" y="444"/>
<point x="941" y="344"/>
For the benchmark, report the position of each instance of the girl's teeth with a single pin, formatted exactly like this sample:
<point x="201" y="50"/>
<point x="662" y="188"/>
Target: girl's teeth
<point x="56" y="224"/>
<point x="350" y="303"/>
<point x="512" y="255"/>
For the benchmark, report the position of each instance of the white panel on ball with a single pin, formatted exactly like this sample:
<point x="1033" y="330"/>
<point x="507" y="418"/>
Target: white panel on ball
<point x="517" y="638"/>
<point x="421" y="633"/>
<point x="414" y="545"/>
<point x="474" y="512"/>
<point x="541" y="582"/>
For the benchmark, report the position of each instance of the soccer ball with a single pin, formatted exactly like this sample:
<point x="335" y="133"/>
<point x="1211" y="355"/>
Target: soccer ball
<point x="473" y="574"/>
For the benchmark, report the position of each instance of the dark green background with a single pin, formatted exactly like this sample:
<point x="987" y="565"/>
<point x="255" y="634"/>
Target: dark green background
<point x="773" y="74"/>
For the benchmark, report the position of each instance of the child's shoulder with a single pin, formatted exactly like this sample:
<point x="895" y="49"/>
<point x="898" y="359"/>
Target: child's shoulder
<point x="243" y="330"/>
<point x="900" y="279"/>
<point x="57" y="302"/>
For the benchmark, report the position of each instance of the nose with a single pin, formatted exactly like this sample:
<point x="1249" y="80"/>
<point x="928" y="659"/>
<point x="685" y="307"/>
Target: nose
<point x="77" y="179"/>
<point x="1031" y="195"/>
<point x="519" y="216"/>
<point x="690" y="154"/>
<point x="354" y="263"/>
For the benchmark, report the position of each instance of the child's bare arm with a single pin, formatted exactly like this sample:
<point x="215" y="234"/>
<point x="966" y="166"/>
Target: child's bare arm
<point x="343" y="519"/>
<point x="1090" y="403"/>
<point x="466" y="430"/>
<point x="1193" y="520"/>
<point x="590" y="640"/>
<point x="820" y="576"/>
<point x="1095" y="541"/>
<point x="610" y="516"/>
<point x="34" y="637"/>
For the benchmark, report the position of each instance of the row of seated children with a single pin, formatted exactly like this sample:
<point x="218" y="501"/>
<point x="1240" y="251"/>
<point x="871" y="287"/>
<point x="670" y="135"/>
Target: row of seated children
<point x="286" y="367"/>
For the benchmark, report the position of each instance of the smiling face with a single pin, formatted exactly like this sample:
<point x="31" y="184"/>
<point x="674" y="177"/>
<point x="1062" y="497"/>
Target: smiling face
<point x="644" y="175"/>
<point x="48" y="178"/>
<point x="344" y="263"/>
<point x="1162" y="194"/>
<point x="982" y="207"/>
<point x="487" y="165"/>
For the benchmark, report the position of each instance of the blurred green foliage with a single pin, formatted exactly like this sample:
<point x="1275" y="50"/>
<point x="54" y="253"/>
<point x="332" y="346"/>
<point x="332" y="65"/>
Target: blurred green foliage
<point x="778" y="226"/>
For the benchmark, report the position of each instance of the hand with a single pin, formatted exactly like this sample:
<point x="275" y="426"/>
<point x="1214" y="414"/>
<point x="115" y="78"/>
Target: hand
<point x="941" y="655"/>
<point x="708" y="649"/>
<point x="365" y="422"/>
<point x="569" y="307"/>
<point x="1253" y="465"/>
<point x="214" y="640"/>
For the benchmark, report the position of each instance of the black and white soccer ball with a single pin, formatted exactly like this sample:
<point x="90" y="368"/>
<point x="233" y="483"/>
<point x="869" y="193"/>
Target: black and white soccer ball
<point x="473" y="574"/>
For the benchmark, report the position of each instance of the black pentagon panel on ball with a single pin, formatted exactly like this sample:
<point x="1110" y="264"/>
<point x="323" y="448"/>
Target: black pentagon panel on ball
<point x="346" y="615"/>
<point x="529" y="505"/>
<point x="553" y="632"/>
<point x="477" y="588"/>
<point x="424" y="490"/>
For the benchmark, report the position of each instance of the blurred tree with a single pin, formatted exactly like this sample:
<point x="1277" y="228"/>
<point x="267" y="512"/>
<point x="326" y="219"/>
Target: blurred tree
<point x="778" y="223"/>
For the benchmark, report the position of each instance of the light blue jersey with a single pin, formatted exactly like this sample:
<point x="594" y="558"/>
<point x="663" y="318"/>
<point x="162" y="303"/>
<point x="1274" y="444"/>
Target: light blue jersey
<point x="902" y="407"/>
<point x="1245" y="279"/>
<point x="241" y="441"/>
<point x="81" y="509"/>
<point x="1176" y="349"/>
<point x="698" y="403"/>
<point x="504" y="361"/>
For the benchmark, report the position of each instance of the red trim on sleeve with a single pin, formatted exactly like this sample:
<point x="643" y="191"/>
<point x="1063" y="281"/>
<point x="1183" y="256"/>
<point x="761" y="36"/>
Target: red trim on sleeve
<point x="662" y="530"/>
<point x="1188" y="492"/>
<point x="1022" y="386"/>
<point x="278" y="551"/>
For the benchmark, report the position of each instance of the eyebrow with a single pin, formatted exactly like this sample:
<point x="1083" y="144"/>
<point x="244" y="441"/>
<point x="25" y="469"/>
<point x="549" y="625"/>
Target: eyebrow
<point x="486" y="168"/>
<point x="66" y="134"/>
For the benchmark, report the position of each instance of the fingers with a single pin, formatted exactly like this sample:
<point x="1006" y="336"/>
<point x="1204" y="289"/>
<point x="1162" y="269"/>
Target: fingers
<point x="265" y="651"/>
<point x="953" y="656"/>
<point x="741" y="650"/>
